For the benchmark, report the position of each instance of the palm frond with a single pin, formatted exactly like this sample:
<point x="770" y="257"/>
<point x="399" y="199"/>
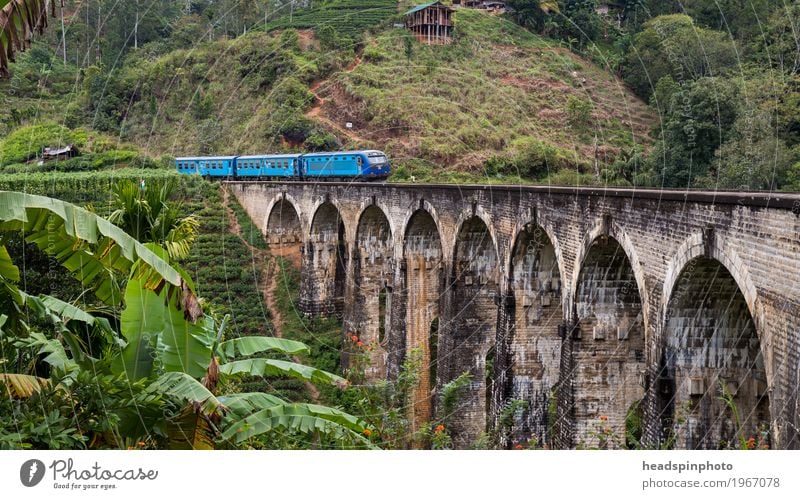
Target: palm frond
<point x="22" y="385"/>
<point x="19" y="19"/>
<point x="274" y="367"/>
<point x="298" y="417"/>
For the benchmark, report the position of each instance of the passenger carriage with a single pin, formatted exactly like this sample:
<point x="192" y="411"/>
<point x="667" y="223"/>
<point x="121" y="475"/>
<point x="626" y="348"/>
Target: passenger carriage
<point x="207" y="167"/>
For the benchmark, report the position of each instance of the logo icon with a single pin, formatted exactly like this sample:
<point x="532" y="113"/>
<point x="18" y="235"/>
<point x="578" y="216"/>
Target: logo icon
<point x="31" y="472"/>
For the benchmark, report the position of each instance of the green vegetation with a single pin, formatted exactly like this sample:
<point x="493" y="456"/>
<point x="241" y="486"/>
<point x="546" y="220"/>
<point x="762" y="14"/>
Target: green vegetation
<point x="138" y="358"/>
<point x="531" y="101"/>
<point x="479" y="104"/>
<point x="338" y="22"/>
<point x="654" y="95"/>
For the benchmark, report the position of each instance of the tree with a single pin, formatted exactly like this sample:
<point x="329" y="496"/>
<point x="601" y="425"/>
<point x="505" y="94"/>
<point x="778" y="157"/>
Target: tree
<point x="579" y="20"/>
<point x="145" y="212"/>
<point x="534" y="14"/>
<point x="165" y="347"/>
<point x="697" y="118"/>
<point x="754" y="157"/>
<point x="743" y="19"/>
<point x="672" y="45"/>
<point x="779" y="45"/>
<point x="18" y="21"/>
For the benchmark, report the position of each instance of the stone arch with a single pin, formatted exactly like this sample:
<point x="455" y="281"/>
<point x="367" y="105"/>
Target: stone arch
<point x="695" y="246"/>
<point x="368" y="309"/>
<point x="376" y="204"/>
<point x="324" y="263"/>
<point x="421" y="277"/>
<point x="317" y="205"/>
<point x="533" y="313"/>
<point x="472" y="320"/>
<point x="608" y="341"/>
<point x="477" y="212"/>
<point x="284" y="230"/>
<point x="606" y="228"/>
<point x="430" y="210"/>
<point x="545" y="226"/>
<point x="288" y="201"/>
<point x="713" y="347"/>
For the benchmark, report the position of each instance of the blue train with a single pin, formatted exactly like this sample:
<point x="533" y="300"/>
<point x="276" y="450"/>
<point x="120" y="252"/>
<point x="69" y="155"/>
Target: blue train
<point x="341" y="165"/>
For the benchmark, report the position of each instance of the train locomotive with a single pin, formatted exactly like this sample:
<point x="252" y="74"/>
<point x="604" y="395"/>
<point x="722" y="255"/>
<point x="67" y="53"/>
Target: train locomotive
<point x="319" y="166"/>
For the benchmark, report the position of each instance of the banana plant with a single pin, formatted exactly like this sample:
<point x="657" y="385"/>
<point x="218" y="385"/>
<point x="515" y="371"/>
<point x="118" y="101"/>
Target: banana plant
<point x="194" y="357"/>
<point x="18" y="21"/>
<point x="163" y="335"/>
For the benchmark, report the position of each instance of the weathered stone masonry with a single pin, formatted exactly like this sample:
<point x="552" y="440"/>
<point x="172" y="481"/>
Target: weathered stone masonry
<point x="589" y="304"/>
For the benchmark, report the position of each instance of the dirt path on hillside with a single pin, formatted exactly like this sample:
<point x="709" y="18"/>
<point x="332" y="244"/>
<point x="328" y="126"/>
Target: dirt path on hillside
<point x="316" y="108"/>
<point x="263" y="259"/>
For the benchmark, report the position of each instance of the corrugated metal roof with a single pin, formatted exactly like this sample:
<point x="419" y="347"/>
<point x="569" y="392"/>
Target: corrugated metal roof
<point x="421" y="7"/>
<point x="55" y="152"/>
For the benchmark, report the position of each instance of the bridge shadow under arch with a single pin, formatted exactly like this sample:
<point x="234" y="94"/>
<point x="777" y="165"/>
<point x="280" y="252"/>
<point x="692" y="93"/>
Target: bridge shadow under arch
<point x="325" y="263"/>
<point x="284" y="231"/>
<point x="712" y="386"/>
<point x="532" y="346"/>
<point x="608" y="345"/>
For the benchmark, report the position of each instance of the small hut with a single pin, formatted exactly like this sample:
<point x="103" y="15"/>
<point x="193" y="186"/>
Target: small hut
<point x="493" y="6"/>
<point x="59" y="153"/>
<point x="431" y="23"/>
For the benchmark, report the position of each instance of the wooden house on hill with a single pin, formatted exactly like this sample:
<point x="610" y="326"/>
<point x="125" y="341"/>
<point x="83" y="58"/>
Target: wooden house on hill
<point x="431" y="23"/>
<point x="59" y="153"/>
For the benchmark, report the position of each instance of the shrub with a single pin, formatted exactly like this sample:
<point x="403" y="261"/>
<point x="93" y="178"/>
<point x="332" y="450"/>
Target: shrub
<point x="579" y="111"/>
<point x="27" y="142"/>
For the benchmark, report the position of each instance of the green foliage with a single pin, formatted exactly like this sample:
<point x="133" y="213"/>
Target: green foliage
<point x="733" y="16"/>
<point x="220" y="265"/>
<point x="634" y="426"/>
<point x="164" y="346"/>
<point x="697" y="120"/>
<point x="674" y="46"/>
<point x="451" y="394"/>
<point x="578" y="111"/>
<point x="146" y="211"/>
<point x="777" y="46"/>
<point x="27" y="142"/>
<point x="338" y="22"/>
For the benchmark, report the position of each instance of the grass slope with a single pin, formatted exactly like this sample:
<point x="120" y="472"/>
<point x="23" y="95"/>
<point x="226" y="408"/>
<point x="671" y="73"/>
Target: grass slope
<point x="498" y="92"/>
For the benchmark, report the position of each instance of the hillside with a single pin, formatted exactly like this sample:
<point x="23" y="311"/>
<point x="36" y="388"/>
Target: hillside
<point x="499" y="100"/>
<point x="498" y="92"/>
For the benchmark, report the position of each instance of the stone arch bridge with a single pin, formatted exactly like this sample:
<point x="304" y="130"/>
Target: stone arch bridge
<point x="673" y="314"/>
